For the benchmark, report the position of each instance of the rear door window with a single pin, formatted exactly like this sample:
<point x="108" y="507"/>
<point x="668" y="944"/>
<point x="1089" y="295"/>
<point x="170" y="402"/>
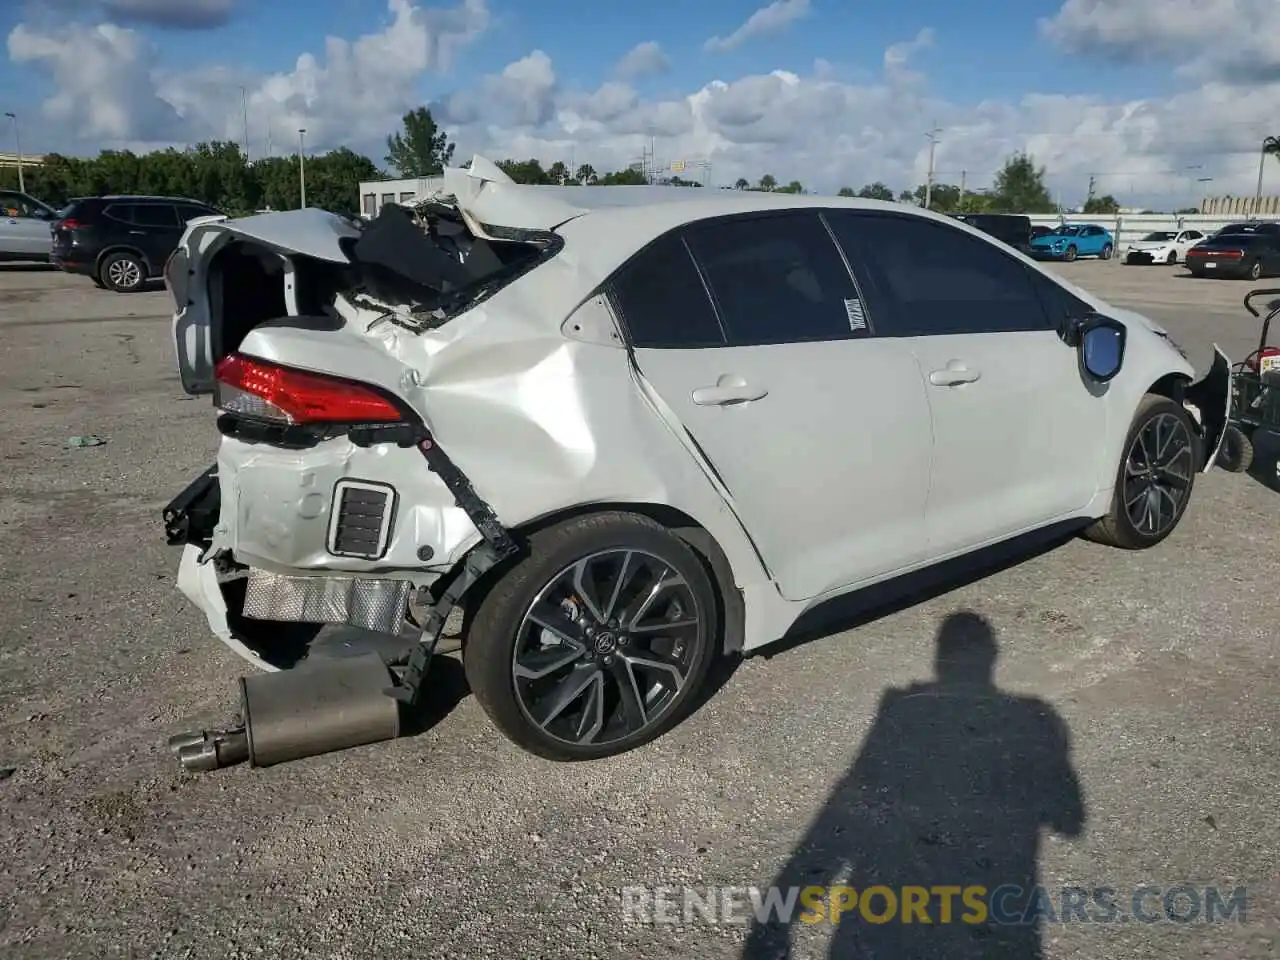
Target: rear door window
<point x="931" y="279"/>
<point x="662" y="299"/>
<point x="777" y="279"/>
<point x="155" y="215"/>
<point x="119" y="211"/>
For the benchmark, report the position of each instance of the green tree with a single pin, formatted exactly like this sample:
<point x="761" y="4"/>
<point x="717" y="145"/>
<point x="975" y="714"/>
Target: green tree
<point x="623" y="178"/>
<point x="1103" y="204"/>
<point x="558" y="173"/>
<point x="524" y="171"/>
<point x="874" y="191"/>
<point x="742" y="184"/>
<point x="795" y="186"/>
<point x="768" y="184"/>
<point x="1271" y="146"/>
<point x="422" y="149"/>
<point x="586" y="175"/>
<point x="1020" y="187"/>
<point x="848" y="192"/>
<point x="908" y="196"/>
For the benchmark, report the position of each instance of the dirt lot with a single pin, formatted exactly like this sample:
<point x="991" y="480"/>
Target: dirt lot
<point x="1162" y="667"/>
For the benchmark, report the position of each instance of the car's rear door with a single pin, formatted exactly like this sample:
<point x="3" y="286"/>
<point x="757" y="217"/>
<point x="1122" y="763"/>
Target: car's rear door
<point x="754" y="335"/>
<point x="1016" y="428"/>
<point x="157" y="230"/>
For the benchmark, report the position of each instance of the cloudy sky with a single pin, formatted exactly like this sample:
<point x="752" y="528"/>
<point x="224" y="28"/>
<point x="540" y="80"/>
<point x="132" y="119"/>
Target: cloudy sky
<point x="1147" y="95"/>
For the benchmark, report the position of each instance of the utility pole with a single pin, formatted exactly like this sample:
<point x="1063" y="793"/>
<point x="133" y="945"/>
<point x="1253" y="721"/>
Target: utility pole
<point x="302" y="167"/>
<point x="17" y="137"/>
<point x="244" y="105"/>
<point x="964" y="176"/>
<point x="933" y="147"/>
<point x="1093" y="180"/>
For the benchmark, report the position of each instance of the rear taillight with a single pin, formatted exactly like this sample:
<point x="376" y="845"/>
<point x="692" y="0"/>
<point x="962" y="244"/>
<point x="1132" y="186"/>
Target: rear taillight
<point x="69" y="224"/>
<point x="265" y="391"/>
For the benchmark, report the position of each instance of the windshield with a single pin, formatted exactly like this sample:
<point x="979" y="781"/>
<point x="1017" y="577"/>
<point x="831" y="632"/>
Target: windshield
<point x="1161" y="236"/>
<point x="1066" y="231"/>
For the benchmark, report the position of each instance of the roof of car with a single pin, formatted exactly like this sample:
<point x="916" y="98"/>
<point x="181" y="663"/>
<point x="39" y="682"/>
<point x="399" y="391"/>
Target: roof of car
<point x="133" y="197"/>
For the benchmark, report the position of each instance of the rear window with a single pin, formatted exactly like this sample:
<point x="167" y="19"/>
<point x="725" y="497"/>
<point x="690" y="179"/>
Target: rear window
<point x="155" y="215"/>
<point x="662" y="299"/>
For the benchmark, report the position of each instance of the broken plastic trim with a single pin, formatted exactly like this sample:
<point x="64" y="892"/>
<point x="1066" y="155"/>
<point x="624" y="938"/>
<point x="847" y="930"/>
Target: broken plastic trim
<point x="191" y="515"/>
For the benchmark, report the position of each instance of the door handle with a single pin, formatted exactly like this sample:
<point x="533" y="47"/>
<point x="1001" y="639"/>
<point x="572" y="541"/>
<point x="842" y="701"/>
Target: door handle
<point x="954" y="374"/>
<point x="729" y="389"/>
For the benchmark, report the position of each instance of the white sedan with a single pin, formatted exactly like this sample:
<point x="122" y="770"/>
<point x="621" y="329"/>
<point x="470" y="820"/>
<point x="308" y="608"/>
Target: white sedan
<point x="1163" y="246"/>
<point x="628" y="430"/>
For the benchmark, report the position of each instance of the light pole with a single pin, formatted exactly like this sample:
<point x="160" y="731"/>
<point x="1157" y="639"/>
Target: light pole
<point x="302" y="167"/>
<point x="1269" y="144"/>
<point x="933" y="146"/>
<point x="22" y="186"/>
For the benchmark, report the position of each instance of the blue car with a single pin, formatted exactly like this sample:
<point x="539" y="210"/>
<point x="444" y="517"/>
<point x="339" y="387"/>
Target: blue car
<point x="1073" y="240"/>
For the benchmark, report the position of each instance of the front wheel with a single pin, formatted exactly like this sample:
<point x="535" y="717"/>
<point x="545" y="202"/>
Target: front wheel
<point x="1106" y="252"/>
<point x="1071" y="254"/>
<point x="1172" y="258"/>
<point x="595" y="642"/>
<point x="1157" y="472"/>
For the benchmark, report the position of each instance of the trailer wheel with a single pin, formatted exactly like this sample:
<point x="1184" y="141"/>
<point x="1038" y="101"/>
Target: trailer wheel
<point x="1236" y="454"/>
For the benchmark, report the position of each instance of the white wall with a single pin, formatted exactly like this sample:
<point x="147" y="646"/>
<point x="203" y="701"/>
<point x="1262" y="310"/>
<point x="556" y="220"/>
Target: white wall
<point x="405" y="190"/>
<point x="1128" y="227"/>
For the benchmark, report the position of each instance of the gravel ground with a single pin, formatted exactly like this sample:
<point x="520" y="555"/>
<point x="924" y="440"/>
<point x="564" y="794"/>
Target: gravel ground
<point x="1160" y="667"/>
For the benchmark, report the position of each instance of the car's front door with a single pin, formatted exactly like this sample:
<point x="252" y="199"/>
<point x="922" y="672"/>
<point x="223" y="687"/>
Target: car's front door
<point x="1015" y="425"/>
<point x="754" y="334"/>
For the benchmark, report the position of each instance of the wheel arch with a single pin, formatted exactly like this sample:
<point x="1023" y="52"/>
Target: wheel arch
<point x="731" y="606"/>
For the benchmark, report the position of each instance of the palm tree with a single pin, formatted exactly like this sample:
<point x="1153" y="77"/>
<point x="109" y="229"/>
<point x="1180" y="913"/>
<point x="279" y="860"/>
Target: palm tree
<point x="768" y="183"/>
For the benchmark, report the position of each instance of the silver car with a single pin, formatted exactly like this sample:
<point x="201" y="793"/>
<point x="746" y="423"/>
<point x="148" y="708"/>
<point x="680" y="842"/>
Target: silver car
<point x="629" y="431"/>
<point x="25" y="228"/>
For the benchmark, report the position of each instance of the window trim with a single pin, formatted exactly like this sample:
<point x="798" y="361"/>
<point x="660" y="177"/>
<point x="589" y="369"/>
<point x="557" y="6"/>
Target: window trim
<point x="1032" y="273"/>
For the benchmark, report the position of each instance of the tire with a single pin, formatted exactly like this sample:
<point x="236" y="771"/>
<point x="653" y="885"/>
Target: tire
<point x="1071" y="254"/>
<point x="1236" y="454"/>
<point x="1142" y="484"/>
<point x="503" y="639"/>
<point x="1106" y="252"/>
<point x="1172" y="258"/>
<point x="122" y="272"/>
<point x="1255" y="271"/>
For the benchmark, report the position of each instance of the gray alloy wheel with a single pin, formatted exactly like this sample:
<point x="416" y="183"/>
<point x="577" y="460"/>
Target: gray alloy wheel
<point x="606" y="647"/>
<point x="1158" y="472"/>
<point x="597" y="639"/>
<point x="1155" y="477"/>
<point x="123" y="272"/>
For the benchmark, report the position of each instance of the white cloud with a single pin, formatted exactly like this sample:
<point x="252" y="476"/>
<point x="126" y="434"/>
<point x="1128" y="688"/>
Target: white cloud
<point x="642" y="60"/>
<point x="817" y="126"/>
<point x="774" y="18"/>
<point x="1237" y="40"/>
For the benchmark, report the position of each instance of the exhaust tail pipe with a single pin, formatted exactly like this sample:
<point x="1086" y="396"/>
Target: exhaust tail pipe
<point x="309" y="710"/>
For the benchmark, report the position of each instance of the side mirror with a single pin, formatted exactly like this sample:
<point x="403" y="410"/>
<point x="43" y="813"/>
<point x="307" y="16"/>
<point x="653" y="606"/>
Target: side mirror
<point x="1101" y="348"/>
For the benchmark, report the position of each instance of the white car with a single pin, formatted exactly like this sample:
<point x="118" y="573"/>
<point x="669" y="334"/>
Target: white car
<point x="1163" y="246"/>
<point x="629" y="430"/>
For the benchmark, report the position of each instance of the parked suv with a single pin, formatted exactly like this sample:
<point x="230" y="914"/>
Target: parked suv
<point x="122" y="242"/>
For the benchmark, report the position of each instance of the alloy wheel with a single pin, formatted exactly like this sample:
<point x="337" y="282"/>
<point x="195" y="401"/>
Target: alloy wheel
<point x="1157" y="474"/>
<point x="124" y="273"/>
<point x="606" y="647"/>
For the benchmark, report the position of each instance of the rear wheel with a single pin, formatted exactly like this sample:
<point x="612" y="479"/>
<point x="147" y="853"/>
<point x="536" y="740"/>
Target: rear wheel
<point x="597" y="641"/>
<point x="1255" y="270"/>
<point x="122" y="272"/>
<point x="1071" y="253"/>
<point x="1106" y="252"/>
<point x="1157" y="472"/>
<point x="1172" y="258"/>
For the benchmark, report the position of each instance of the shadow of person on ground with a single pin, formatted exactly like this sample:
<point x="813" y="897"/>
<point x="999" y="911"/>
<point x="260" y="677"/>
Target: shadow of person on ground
<point x="952" y="787"/>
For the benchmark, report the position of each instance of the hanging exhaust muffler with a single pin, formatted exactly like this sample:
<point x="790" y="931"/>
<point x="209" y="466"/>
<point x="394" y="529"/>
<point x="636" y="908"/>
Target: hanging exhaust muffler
<point x="312" y="709"/>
